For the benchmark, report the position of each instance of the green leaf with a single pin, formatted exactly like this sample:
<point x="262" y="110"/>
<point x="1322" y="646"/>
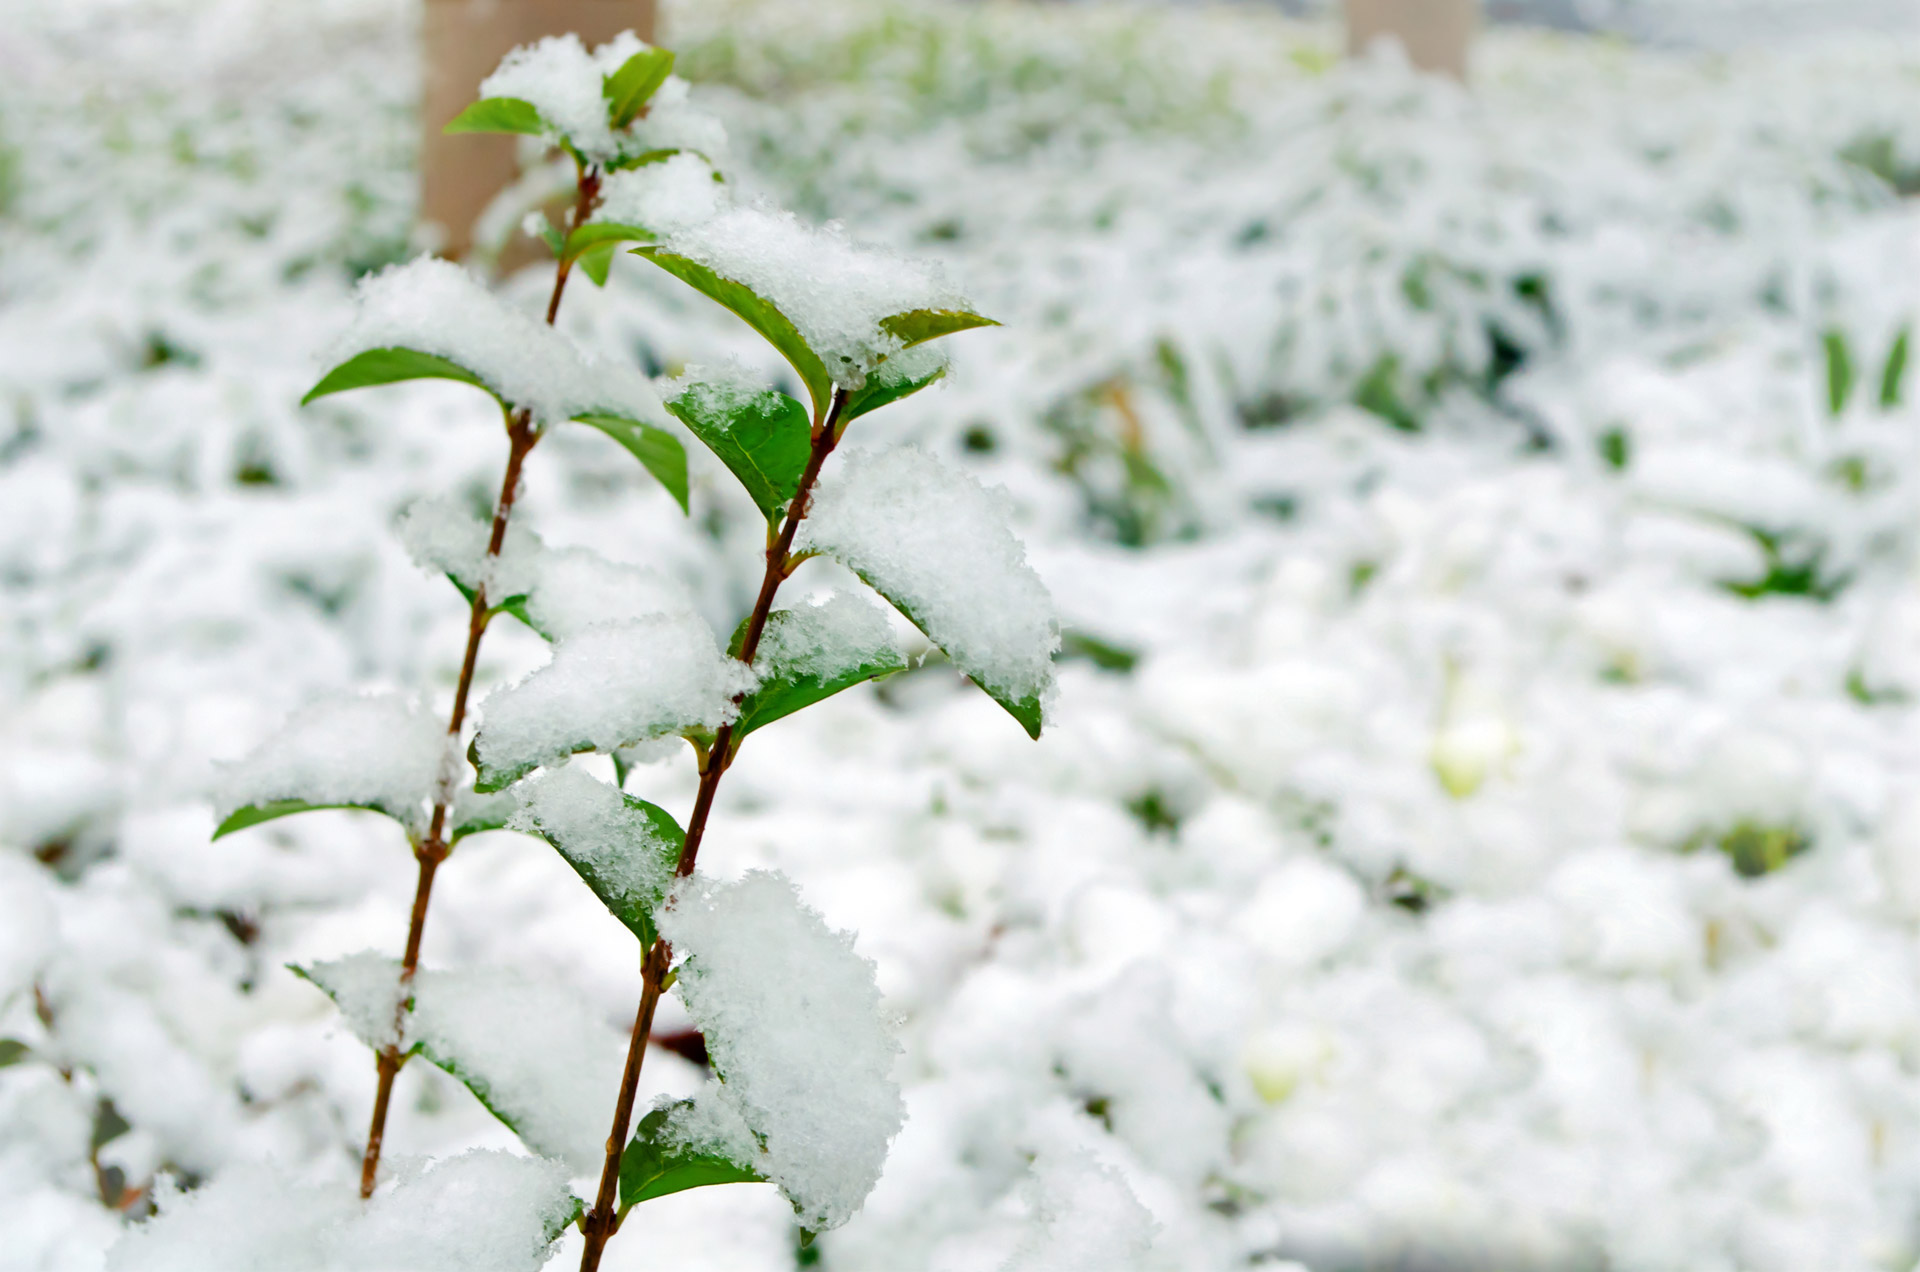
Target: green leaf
<point x="473" y="813"/>
<point x="254" y="814"/>
<point x="652" y="1168"/>
<point x="759" y="314"/>
<point x="515" y="606"/>
<point x="1896" y="370"/>
<point x="646" y="157"/>
<point x="596" y="263"/>
<point x="917" y="326"/>
<point x="663" y="836"/>
<point x="881" y="391"/>
<point x="628" y="89"/>
<point x="603" y="234"/>
<point x="764" y="439"/>
<point x="390" y="366"/>
<point x="499" y="115"/>
<point x="1840" y="374"/>
<point x="781" y="695"/>
<point x="1026" y="710"/>
<point x="658" y="451"/>
<point x="13" y="1051"/>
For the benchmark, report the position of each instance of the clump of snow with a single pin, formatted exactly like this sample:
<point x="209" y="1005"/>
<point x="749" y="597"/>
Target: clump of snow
<point x="610" y="686"/>
<point x="379" y="751"/>
<point x="821" y="637"/>
<point x="367" y="989"/>
<point x="1088" y="1220"/>
<point x="438" y="307"/>
<point x="793" y="1021"/>
<point x="917" y="363"/>
<point x="596" y="827"/>
<point x="478" y="1212"/>
<point x="538" y="1056"/>
<point x="665" y="197"/>
<point x="673" y="122"/>
<point x="564" y="83"/>
<point x="936" y="543"/>
<point x="442" y="534"/>
<point x="834" y="291"/>
<point x="708" y="1123"/>
<point x="577" y="588"/>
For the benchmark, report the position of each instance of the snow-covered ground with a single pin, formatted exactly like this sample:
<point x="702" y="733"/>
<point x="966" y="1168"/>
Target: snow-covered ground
<point x="1481" y="822"/>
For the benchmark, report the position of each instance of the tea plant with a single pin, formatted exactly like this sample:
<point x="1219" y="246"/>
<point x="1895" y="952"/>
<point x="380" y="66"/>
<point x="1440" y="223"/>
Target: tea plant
<point x="791" y="1015"/>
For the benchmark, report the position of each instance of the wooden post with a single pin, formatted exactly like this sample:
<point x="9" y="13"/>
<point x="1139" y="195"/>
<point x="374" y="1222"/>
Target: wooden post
<point x="462" y="42"/>
<point x="1436" y="33"/>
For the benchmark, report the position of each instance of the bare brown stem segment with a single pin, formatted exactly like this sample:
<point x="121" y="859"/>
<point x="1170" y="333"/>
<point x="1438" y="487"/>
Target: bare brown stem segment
<point x="522" y="436"/>
<point x="604" y="1219"/>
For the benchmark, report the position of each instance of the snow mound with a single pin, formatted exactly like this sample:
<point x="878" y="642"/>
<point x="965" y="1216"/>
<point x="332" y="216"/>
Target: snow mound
<point x="794" y="1024"/>
<point x="379" y="751"/>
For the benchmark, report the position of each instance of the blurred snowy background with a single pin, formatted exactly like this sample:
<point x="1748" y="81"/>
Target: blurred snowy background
<point x="1482" y="823"/>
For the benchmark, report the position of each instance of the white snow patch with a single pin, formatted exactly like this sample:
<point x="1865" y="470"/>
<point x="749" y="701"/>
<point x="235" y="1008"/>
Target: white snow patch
<point x="543" y="1058"/>
<point x="821" y="637"/>
<point x="563" y="82"/>
<point x="610" y="686"/>
<point x="793" y="1021"/>
<point x="1088" y="1220"/>
<point x="366" y="988"/>
<point x="379" y="751"/>
<point x="667" y="197"/>
<point x="437" y="307"/>
<point x="477" y="1212"/>
<point x="833" y="291"/>
<point x="577" y="588"/>
<point x="936" y="543"/>
<point x="599" y="828"/>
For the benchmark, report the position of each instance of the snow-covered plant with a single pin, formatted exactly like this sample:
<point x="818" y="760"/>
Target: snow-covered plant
<point x="791" y="1015"/>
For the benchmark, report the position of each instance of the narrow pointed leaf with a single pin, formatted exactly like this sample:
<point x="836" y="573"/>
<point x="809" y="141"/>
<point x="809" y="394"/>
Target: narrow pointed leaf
<point x="917" y="326"/>
<point x="665" y="838"/>
<point x="651" y="1168"/>
<point x="515" y="606"/>
<point x="255" y="814"/>
<point x="646" y="157"/>
<point x="391" y="366"/>
<point x="658" y="451"/>
<point x="499" y="115"/>
<point x="764" y="439"/>
<point x="880" y="391"/>
<point x="597" y="262"/>
<point x="628" y="89"/>
<point x="1026" y="710"/>
<point x="781" y="695"/>
<point x="757" y="313"/>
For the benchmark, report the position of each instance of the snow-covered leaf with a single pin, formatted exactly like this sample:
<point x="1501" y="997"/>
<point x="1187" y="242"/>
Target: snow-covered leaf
<point x="601" y="237"/>
<point x="499" y="115"/>
<point x="608" y="686"/>
<point x="793" y="1021"/>
<point x="658" y="451"/>
<point x="391" y="366"/>
<point x="760" y="314"/>
<point x="656" y="1163"/>
<point x="628" y="89"/>
<point x="255" y="814"/>
<point x="917" y="326"/>
<point x="624" y="848"/>
<point x="935" y="543"/>
<point x="763" y="437"/>
<point x="815" y="651"/>
<point x="902" y="375"/>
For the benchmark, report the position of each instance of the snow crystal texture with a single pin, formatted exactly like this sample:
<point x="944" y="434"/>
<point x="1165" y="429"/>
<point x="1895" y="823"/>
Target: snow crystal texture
<point x="598" y="828"/>
<point x="936" y="543"/>
<point x="380" y="751"/>
<point x="610" y="686"/>
<point x="563" y="82"/>
<point x="833" y="291"/>
<point x="666" y="197"/>
<point x="437" y="307"/>
<point x="793" y="1022"/>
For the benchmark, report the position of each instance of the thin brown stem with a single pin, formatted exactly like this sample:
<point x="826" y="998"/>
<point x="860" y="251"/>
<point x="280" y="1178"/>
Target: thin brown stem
<point x="522" y="436"/>
<point x="604" y="1219"/>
